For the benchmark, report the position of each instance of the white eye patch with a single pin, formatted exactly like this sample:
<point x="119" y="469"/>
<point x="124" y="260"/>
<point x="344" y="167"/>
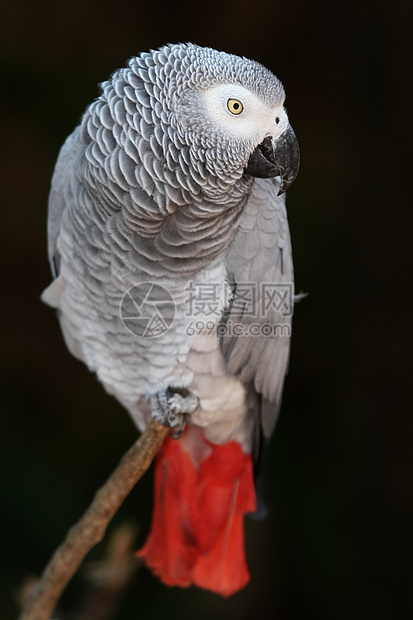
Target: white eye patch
<point x="241" y="113"/>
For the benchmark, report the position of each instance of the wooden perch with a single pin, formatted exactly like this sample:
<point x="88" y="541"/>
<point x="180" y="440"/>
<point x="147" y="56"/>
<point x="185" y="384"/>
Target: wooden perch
<point x="91" y="528"/>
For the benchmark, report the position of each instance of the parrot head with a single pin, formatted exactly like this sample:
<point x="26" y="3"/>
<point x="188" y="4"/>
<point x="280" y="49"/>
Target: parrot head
<point x="231" y="113"/>
<point x="219" y="118"/>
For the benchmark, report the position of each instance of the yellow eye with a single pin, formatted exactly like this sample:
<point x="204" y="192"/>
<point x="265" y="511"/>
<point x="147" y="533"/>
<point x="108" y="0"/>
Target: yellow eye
<point x="235" y="106"/>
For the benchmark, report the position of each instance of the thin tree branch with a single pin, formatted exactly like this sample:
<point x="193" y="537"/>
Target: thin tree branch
<point x="90" y="529"/>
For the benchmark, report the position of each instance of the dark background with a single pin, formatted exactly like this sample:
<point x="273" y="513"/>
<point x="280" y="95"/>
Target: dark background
<point x="338" y="472"/>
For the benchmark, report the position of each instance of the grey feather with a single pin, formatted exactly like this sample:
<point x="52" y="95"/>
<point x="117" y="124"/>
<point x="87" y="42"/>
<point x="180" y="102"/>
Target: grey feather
<point x="261" y="254"/>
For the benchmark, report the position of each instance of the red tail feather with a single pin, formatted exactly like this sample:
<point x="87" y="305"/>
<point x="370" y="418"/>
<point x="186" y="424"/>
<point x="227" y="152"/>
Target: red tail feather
<point x="197" y="532"/>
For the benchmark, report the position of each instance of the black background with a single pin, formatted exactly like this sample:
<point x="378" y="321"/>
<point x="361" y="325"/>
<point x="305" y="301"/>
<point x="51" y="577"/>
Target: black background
<point x="338" y="472"/>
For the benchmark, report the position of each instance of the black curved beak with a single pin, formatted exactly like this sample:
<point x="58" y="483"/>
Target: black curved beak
<point x="276" y="158"/>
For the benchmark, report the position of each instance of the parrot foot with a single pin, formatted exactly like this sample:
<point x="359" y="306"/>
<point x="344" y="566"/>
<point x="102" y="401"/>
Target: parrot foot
<point x="170" y="406"/>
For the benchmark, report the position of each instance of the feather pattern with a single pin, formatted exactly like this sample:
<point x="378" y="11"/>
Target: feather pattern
<point x="197" y="527"/>
<point x="260" y="261"/>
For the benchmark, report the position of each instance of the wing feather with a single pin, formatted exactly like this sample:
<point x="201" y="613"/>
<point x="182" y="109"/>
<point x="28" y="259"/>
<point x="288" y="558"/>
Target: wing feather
<point x="259" y="263"/>
<point x="59" y="198"/>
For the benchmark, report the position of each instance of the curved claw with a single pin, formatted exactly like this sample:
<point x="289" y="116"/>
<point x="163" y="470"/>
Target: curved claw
<point x="170" y="406"/>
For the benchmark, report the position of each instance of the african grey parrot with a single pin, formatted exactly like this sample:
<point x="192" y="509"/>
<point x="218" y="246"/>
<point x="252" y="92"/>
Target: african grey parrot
<point x="173" y="281"/>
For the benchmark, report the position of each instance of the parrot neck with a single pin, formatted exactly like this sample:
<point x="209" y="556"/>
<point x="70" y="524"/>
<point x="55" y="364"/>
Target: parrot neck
<point x="185" y="241"/>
